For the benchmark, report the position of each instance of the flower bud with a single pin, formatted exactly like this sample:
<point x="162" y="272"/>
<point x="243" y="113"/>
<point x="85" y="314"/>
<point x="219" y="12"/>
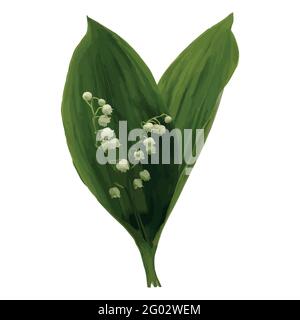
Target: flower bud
<point x="114" y="192"/>
<point x="145" y="175"/>
<point x="87" y="96"/>
<point x="168" y="119"/>
<point x="101" y="102"/>
<point x="137" y="183"/>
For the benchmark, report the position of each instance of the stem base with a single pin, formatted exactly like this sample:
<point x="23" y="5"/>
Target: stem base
<point x="148" y="256"/>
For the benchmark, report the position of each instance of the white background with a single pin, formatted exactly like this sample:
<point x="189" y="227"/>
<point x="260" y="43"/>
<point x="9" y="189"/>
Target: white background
<point x="234" y="232"/>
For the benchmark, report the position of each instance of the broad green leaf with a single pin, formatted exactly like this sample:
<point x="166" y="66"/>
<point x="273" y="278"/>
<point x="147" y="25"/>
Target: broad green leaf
<point x="107" y="66"/>
<point x="193" y="84"/>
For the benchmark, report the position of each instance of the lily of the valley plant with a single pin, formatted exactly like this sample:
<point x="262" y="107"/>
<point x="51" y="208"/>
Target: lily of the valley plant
<point x="108" y="82"/>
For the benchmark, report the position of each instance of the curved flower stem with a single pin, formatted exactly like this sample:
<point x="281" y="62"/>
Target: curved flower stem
<point x="155" y="119"/>
<point x="93" y="115"/>
<point x="148" y="256"/>
<point x="99" y="108"/>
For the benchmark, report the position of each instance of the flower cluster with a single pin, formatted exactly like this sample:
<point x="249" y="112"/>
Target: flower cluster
<point x="106" y="136"/>
<point x="108" y="140"/>
<point x="151" y="126"/>
<point x="103" y="119"/>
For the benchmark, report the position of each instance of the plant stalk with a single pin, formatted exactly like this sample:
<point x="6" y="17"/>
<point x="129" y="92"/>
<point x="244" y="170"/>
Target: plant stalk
<point x="148" y="257"/>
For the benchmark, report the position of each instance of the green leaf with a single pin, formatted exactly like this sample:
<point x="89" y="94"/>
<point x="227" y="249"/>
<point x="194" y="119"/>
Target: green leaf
<point x="107" y="66"/>
<point x="192" y="86"/>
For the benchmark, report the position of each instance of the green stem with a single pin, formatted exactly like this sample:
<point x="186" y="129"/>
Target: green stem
<point x="136" y="215"/>
<point x="148" y="257"/>
<point x="155" y="118"/>
<point x="93" y="116"/>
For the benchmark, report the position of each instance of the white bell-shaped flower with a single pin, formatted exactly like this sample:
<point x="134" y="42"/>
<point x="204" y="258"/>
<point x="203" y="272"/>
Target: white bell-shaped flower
<point x="138" y="155"/>
<point x="137" y="183"/>
<point x="123" y="165"/>
<point x="145" y="175"/>
<point x="103" y="120"/>
<point x="107" y="109"/>
<point x="87" y="96"/>
<point x="113" y="143"/>
<point x="148" y="126"/>
<point x="158" y="129"/>
<point x="114" y="192"/>
<point x="105" y="134"/>
<point x="110" y="144"/>
<point x="149" y="142"/>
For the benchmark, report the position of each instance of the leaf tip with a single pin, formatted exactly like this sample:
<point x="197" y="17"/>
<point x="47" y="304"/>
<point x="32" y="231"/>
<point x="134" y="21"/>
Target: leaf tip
<point x="229" y="20"/>
<point x="90" y="22"/>
<point x="226" y="23"/>
<point x="95" y="28"/>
